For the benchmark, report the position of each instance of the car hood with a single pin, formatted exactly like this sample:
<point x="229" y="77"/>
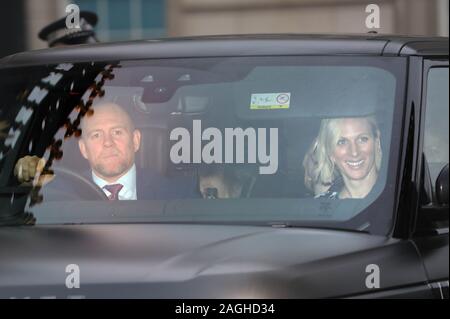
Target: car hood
<point x="196" y="261"/>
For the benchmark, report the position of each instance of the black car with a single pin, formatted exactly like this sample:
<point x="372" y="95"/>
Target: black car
<point x="259" y="166"/>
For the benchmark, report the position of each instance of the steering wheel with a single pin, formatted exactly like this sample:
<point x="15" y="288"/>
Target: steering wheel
<point x="70" y="185"/>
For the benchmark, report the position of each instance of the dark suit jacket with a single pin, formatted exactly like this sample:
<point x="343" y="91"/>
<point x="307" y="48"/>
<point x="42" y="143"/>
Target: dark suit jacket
<point x="152" y="185"/>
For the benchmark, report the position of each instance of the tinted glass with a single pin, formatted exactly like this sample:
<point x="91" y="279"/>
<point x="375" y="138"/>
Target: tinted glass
<point x="308" y="141"/>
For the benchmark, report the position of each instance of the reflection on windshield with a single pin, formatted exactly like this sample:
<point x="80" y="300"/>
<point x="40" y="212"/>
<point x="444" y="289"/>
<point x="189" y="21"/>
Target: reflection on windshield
<point x="161" y="131"/>
<point x="47" y="99"/>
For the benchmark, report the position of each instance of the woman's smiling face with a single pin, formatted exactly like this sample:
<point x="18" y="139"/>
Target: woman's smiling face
<point x="354" y="152"/>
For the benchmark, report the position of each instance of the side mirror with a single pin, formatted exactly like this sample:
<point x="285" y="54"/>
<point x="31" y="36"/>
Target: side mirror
<point x="442" y="187"/>
<point x="434" y="216"/>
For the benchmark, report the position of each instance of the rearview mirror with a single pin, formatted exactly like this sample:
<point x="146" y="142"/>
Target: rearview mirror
<point x="442" y="187"/>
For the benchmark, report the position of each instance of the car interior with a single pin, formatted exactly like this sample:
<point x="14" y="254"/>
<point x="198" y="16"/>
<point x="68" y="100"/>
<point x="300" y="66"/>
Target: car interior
<point x="168" y="97"/>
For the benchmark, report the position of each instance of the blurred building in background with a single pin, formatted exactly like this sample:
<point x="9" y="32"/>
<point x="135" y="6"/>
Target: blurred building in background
<point x="12" y="27"/>
<point x="118" y="20"/>
<point x="412" y="17"/>
<point x="21" y="20"/>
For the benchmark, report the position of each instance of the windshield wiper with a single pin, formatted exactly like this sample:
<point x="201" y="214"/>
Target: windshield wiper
<point x="324" y="227"/>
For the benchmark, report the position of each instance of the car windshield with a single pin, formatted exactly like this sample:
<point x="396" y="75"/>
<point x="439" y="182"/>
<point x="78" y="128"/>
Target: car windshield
<point x="280" y="140"/>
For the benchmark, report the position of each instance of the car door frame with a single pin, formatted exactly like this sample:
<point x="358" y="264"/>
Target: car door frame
<point x="433" y="247"/>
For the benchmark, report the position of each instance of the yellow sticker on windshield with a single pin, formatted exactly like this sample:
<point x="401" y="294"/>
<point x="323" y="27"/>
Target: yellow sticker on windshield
<point x="270" y="101"/>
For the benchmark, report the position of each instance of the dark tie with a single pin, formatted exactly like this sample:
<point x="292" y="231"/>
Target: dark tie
<point x="114" y="189"/>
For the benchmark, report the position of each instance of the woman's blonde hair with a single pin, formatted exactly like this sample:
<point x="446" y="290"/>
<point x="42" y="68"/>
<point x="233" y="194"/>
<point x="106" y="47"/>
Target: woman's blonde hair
<point x="324" y="171"/>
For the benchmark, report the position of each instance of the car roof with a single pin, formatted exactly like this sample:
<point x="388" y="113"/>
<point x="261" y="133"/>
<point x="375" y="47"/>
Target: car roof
<point x="237" y="45"/>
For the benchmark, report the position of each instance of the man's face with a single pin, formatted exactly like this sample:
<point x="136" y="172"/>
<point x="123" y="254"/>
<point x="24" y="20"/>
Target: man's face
<point x="109" y="142"/>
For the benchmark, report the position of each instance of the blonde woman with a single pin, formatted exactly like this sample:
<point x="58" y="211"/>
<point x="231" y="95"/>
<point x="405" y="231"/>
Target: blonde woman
<point x="346" y="158"/>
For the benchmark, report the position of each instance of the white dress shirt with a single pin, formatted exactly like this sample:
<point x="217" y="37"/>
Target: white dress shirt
<point x="128" y="191"/>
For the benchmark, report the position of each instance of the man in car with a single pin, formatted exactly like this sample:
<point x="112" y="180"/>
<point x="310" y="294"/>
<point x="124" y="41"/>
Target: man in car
<point x="109" y="142"/>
